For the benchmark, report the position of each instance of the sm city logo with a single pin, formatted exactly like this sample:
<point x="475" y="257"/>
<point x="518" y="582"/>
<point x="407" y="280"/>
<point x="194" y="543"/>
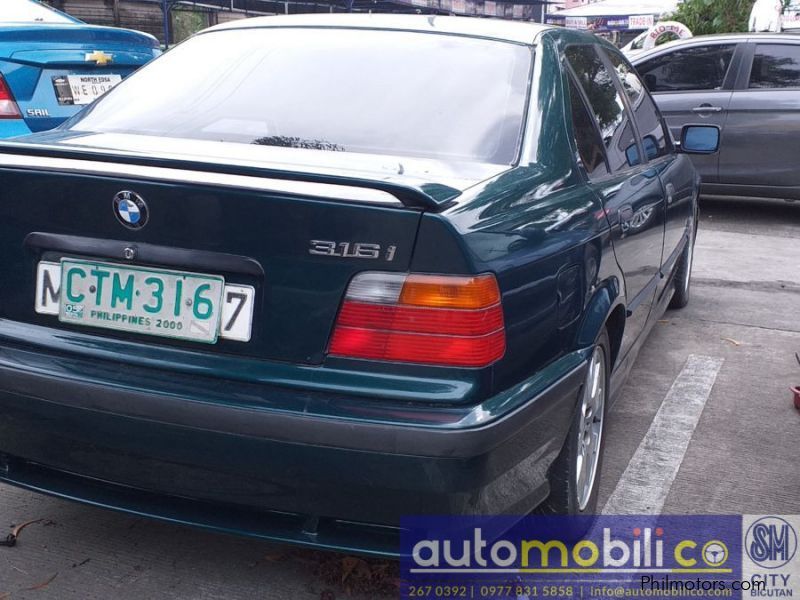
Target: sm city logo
<point x="771" y="542"/>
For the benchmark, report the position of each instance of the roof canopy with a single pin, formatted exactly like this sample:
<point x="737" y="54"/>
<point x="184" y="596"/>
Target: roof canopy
<point x="614" y="15"/>
<point x="464" y="7"/>
<point x="616" y="8"/>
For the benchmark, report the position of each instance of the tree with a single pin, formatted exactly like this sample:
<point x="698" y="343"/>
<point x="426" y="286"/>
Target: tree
<point x="714" y="16"/>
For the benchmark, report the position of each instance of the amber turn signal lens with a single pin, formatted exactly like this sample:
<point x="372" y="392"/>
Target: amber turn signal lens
<point x="437" y="291"/>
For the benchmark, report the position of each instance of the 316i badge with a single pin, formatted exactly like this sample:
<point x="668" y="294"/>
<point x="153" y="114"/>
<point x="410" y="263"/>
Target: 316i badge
<point x="130" y="210"/>
<point x="351" y="250"/>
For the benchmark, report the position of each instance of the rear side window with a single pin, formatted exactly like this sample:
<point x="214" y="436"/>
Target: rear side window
<point x="587" y="137"/>
<point x="690" y="69"/>
<point x="655" y="139"/>
<point x="608" y="106"/>
<point x="775" y="66"/>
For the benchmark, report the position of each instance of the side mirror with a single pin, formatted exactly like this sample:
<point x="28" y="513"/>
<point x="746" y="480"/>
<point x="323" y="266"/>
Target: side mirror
<point x="632" y="155"/>
<point x="650" y="144"/>
<point x="700" y="139"/>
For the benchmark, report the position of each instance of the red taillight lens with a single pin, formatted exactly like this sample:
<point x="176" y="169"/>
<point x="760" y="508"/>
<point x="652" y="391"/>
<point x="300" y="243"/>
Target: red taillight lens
<point x="425" y="319"/>
<point x="421" y="320"/>
<point x="8" y="107"/>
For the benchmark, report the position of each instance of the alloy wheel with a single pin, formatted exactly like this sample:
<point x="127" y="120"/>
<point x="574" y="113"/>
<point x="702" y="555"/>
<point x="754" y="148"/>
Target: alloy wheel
<point x="688" y="271"/>
<point x="590" y="431"/>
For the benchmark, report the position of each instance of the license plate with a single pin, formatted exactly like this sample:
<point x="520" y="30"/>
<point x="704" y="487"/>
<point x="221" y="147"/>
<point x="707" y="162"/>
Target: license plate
<point x="83" y="89"/>
<point x="173" y="304"/>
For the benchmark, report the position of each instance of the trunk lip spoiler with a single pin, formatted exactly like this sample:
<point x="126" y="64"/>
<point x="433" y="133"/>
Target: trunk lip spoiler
<point x="50" y="158"/>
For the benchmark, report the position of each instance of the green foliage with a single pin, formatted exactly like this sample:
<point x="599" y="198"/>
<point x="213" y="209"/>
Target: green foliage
<point x="714" y="16"/>
<point x="186" y="23"/>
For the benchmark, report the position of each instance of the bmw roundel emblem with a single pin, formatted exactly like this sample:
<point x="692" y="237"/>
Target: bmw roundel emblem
<point x="130" y="210"/>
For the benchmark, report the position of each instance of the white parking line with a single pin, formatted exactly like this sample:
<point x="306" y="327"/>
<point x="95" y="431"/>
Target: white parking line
<point x="643" y="487"/>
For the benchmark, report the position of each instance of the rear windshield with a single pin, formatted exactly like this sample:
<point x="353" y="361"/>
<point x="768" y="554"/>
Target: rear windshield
<point x="340" y="90"/>
<point x="25" y="11"/>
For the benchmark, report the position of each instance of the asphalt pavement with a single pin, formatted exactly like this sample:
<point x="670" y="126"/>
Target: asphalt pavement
<point x="724" y="364"/>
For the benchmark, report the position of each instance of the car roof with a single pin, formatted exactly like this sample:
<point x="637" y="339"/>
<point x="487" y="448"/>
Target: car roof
<point x="699" y="40"/>
<point x="16" y="12"/>
<point x="499" y="29"/>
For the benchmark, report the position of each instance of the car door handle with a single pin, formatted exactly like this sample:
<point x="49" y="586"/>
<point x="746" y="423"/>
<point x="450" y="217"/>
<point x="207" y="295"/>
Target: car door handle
<point x="670" y="189"/>
<point x="706" y="108"/>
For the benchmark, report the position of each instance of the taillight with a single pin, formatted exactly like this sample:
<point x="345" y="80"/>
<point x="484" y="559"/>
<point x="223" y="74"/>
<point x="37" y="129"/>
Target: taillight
<point x="426" y="319"/>
<point x="8" y="107"/>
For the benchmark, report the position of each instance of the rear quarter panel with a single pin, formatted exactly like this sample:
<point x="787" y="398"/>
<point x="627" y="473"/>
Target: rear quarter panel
<point x="540" y="229"/>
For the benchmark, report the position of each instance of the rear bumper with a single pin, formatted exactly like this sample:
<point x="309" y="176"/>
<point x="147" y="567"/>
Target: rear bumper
<point x="121" y="438"/>
<point x="12" y="128"/>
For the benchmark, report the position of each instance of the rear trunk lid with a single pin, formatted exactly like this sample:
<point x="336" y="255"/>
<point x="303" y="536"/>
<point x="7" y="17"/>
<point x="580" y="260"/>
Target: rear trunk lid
<point x="296" y="236"/>
<point x="55" y="70"/>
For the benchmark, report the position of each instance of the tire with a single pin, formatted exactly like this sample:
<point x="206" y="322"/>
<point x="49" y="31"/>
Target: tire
<point x="568" y="494"/>
<point x="683" y="277"/>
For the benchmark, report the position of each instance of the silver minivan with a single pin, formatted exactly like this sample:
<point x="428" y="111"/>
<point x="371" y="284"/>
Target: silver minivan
<point x="748" y="85"/>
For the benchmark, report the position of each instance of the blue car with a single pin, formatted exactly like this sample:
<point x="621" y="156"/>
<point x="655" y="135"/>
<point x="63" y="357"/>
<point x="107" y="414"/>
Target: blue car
<point x="325" y="280"/>
<point x="52" y="65"/>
